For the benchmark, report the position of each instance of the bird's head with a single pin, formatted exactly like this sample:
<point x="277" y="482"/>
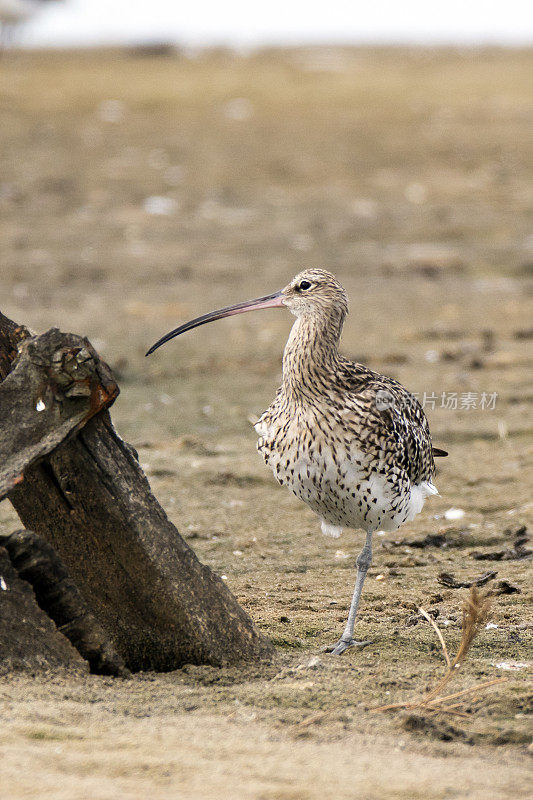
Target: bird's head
<point x="313" y="292"/>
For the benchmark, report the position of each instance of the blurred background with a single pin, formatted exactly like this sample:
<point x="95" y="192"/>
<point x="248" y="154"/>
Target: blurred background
<point x="159" y="160"/>
<point x="240" y="23"/>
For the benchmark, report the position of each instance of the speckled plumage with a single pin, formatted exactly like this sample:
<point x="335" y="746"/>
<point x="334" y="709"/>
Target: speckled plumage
<point x="353" y="444"/>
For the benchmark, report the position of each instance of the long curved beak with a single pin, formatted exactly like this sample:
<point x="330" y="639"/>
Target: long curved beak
<point x="270" y="301"/>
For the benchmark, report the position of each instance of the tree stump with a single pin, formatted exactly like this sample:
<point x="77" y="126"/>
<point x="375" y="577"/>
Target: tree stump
<point x="75" y="482"/>
<point x="29" y="640"/>
<point x="37" y="563"/>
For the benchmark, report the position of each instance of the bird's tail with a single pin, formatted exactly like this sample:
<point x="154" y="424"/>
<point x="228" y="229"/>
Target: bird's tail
<point x="330" y="530"/>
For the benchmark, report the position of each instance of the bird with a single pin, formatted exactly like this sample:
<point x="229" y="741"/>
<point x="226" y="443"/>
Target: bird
<point x="353" y="444"/>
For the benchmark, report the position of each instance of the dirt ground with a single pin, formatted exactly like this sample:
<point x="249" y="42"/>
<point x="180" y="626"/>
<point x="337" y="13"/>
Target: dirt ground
<point x="137" y="191"/>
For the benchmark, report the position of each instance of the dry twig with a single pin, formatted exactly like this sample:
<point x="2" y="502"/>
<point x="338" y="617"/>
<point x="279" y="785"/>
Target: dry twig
<point x="435" y="702"/>
<point x="439" y="634"/>
<point x="475" y="613"/>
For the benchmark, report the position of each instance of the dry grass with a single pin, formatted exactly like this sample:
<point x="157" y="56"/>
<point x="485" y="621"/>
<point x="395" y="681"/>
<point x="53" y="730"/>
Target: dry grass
<point x="439" y="634"/>
<point x="475" y="614"/>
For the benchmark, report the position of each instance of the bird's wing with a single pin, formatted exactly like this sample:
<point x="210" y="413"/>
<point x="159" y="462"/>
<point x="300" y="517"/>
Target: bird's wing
<point x="392" y="421"/>
<point x="409" y="429"/>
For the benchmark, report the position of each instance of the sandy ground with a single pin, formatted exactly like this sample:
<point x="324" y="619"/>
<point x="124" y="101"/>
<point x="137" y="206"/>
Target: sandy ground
<point x="409" y="175"/>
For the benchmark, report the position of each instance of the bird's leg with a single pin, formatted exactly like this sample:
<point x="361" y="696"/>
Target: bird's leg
<point x="363" y="562"/>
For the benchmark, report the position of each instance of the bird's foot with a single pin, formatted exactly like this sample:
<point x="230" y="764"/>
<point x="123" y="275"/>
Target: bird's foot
<point x="339" y="647"/>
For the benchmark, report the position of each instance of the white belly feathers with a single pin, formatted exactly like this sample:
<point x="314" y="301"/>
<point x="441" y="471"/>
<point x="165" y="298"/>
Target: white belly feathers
<point x="340" y="486"/>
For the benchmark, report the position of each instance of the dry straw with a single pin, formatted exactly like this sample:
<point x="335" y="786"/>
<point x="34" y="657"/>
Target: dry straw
<point x="475" y="614"/>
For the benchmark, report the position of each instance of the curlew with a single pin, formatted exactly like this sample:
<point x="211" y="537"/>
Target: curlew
<point x="351" y="443"/>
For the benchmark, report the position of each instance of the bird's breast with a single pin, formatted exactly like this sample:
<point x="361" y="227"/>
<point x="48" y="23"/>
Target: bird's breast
<point x="331" y="472"/>
<point x="305" y="456"/>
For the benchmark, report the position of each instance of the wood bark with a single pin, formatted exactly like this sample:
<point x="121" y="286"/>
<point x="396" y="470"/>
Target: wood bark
<point x="10" y="335"/>
<point x="36" y="562"/>
<point x="29" y="640"/>
<point x="87" y="495"/>
<point x="57" y="384"/>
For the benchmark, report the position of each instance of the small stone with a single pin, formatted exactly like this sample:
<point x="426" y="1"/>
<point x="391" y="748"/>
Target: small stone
<point x="160" y="206"/>
<point x="364" y="208"/>
<point x="239" y="109"/>
<point x="111" y="110"/>
<point x="415" y="193"/>
<point x="454" y="513"/>
<point x="40" y="406"/>
<point x="504" y="587"/>
<point x="341" y="554"/>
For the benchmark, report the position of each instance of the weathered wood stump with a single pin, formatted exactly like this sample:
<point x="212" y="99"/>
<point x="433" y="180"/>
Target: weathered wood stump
<point x="75" y="482"/>
<point x="29" y="640"/>
<point x="37" y="563"/>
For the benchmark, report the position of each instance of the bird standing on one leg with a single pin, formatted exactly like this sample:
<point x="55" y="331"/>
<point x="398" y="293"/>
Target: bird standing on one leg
<point x="351" y="443"/>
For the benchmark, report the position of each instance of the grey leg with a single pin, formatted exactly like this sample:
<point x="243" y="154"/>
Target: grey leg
<point x="363" y="562"/>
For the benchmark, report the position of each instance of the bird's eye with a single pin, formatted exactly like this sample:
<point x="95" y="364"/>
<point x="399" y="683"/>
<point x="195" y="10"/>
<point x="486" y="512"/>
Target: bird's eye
<point x="304" y="285"/>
